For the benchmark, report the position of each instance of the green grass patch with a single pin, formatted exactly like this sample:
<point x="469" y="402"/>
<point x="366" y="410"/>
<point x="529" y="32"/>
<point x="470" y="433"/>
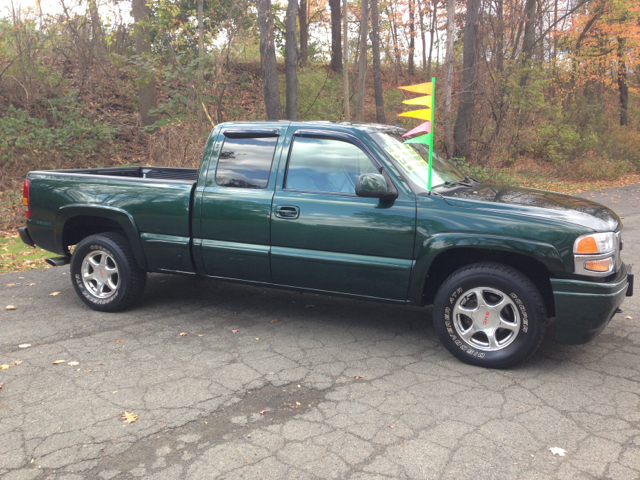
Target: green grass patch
<point x="15" y="256"/>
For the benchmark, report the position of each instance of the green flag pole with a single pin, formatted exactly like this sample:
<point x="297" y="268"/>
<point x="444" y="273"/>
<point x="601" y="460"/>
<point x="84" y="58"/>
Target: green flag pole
<point x="433" y="107"/>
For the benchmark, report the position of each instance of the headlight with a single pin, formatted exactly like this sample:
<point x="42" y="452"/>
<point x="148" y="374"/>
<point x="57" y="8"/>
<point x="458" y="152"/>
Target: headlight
<point x="596" y="254"/>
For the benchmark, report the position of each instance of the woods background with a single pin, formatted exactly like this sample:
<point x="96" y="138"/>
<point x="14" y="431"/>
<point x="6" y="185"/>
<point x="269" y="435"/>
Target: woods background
<point x="546" y="87"/>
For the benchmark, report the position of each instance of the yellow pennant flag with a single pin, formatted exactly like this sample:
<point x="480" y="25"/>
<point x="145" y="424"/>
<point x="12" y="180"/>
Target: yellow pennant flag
<point x="426" y="101"/>
<point x="423" y="114"/>
<point x="423" y="88"/>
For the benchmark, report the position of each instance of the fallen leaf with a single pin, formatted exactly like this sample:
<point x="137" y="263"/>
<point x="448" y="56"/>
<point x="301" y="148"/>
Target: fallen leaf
<point x="120" y="341"/>
<point x="558" y="451"/>
<point x="200" y="335"/>
<point x="1" y="385"/>
<point x="235" y="331"/>
<point x="298" y="403"/>
<point x="129" y="417"/>
<point x="4" y="367"/>
<point x="10" y="307"/>
<point x="309" y="306"/>
<point x="263" y="412"/>
<point x="628" y="317"/>
<point x="58" y="362"/>
<point x="184" y="334"/>
<point x="257" y="338"/>
<point x="73" y="364"/>
<point x="15" y="363"/>
<point x="30" y="284"/>
<point x="54" y="294"/>
<point x="87" y="371"/>
<point x="392" y="426"/>
<point x="11" y="284"/>
<point x="358" y="377"/>
<point x="274" y="321"/>
<point x="24" y="345"/>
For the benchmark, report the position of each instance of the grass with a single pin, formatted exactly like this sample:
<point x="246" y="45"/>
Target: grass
<point x="15" y="256"/>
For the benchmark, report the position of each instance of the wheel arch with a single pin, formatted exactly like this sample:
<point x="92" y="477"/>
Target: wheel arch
<point x="75" y="222"/>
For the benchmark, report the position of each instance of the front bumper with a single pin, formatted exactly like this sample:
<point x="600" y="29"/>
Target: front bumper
<point x="583" y="309"/>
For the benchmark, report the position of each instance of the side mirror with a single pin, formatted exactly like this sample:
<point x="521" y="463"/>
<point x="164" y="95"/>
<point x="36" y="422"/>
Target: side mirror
<point x="374" y="185"/>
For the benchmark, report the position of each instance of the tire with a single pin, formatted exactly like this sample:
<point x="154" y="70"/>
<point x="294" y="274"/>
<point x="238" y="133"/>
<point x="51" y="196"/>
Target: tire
<point x="502" y="330"/>
<point x="105" y="274"/>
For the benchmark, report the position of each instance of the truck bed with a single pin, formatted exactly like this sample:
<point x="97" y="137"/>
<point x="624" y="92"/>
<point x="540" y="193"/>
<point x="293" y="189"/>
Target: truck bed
<point x="164" y="174"/>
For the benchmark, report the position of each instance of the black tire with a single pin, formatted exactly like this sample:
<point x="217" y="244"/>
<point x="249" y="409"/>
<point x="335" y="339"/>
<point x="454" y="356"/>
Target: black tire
<point x="112" y="285"/>
<point x="501" y="330"/>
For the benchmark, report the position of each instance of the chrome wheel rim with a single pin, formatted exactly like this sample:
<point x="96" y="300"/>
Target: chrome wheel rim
<point x="486" y="319"/>
<point x="100" y="274"/>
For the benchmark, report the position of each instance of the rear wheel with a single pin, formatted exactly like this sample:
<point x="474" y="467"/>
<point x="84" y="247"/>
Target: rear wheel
<point x="490" y="315"/>
<point x="105" y="274"/>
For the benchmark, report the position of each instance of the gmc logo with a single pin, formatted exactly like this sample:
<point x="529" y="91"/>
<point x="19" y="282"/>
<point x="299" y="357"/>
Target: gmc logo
<point x="486" y="317"/>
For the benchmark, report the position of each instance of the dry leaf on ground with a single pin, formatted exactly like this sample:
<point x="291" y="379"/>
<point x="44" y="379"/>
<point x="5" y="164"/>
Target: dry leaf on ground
<point x="24" y="345"/>
<point x="10" y="307"/>
<point x="15" y="363"/>
<point x="129" y="417"/>
<point x="184" y="334"/>
<point x="4" y="367"/>
<point x="120" y="341"/>
<point x="73" y="364"/>
<point x="54" y="294"/>
<point x="274" y="321"/>
<point x="358" y="377"/>
<point x="58" y="362"/>
<point x="235" y="331"/>
<point x="11" y="284"/>
<point x="629" y="317"/>
<point x="558" y="451"/>
<point x="263" y="412"/>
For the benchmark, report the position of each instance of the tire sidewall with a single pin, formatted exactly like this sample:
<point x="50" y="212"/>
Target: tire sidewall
<point x="522" y="346"/>
<point x="92" y="244"/>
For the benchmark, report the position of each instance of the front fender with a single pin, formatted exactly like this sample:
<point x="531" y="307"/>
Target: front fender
<point x="434" y="245"/>
<point x="122" y="217"/>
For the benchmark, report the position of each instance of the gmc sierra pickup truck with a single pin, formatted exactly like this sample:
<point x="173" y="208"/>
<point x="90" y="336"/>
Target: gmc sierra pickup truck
<point x="343" y="209"/>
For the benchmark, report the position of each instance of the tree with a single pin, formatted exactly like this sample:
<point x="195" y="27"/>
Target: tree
<point x="464" y="120"/>
<point x="448" y="82"/>
<point x="336" y="37"/>
<point x="291" y="61"/>
<point x="377" y="75"/>
<point x="304" y="33"/>
<point x="345" y="59"/>
<point x="268" y="66"/>
<point x="412" y="41"/>
<point x="362" y="60"/>
<point x="146" y="79"/>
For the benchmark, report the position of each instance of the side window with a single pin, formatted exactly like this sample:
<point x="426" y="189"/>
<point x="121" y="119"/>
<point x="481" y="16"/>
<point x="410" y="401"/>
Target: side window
<point x="245" y="162"/>
<point x="325" y="165"/>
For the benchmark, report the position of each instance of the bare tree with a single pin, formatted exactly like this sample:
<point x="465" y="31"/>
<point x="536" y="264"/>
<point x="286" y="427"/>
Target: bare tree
<point x="623" y="87"/>
<point x="200" y="108"/>
<point x="464" y="120"/>
<point x="336" y="37"/>
<point x="96" y="28"/>
<point x="146" y="80"/>
<point x="304" y="33"/>
<point x="291" y="61"/>
<point x="448" y="82"/>
<point x="377" y="74"/>
<point x="433" y="32"/>
<point x="362" y="61"/>
<point x="411" y="71"/>
<point x="345" y="59"/>
<point x="268" y="66"/>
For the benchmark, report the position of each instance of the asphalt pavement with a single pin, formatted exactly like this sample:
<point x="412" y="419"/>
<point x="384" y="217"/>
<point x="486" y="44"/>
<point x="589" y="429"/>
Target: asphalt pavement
<point x="230" y="381"/>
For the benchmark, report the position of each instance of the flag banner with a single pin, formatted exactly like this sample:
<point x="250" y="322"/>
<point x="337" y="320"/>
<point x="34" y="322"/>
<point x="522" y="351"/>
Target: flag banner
<point x="423" y="88"/>
<point x="426" y="101"/>
<point x="423" y="114"/>
<point x="422" y="128"/>
<point x="425" y="139"/>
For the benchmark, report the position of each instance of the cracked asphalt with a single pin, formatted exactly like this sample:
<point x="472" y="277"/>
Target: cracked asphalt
<point x="335" y="388"/>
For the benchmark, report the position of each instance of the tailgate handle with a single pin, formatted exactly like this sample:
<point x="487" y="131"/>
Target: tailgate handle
<point x="287" y="211"/>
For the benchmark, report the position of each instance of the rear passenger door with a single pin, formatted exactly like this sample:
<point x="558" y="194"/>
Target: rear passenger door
<point x="235" y="204"/>
<point x="325" y="237"/>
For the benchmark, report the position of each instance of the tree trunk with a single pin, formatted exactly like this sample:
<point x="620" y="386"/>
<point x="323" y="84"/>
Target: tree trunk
<point x="199" y="107"/>
<point x="345" y="60"/>
<point x="434" y="19"/>
<point x="529" y="38"/>
<point x="146" y="80"/>
<point x="500" y="36"/>
<point x="96" y="29"/>
<point x="377" y="74"/>
<point x="291" y="61"/>
<point x="304" y="33"/>
<point x="268" y="66"/>
<point x="464" y="120"/>
<point x="423" y="38"/>
<point x="623" y="88"/>
<point x="448" y="82"/>
<point x="336" y="36"/>
<point x="411" y="70"/>
<point x="362" y="61"/>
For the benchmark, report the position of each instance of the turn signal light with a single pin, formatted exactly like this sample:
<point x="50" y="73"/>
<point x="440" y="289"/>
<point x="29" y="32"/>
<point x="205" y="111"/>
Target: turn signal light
<point x="587" y="245"/>
<point x="25" y="199"/>
<point x="595" y="243"/>
<point x="603" y="265"/>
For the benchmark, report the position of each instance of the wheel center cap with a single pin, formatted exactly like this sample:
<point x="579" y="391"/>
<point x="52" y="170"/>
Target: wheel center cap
<point x="487" y="319"/>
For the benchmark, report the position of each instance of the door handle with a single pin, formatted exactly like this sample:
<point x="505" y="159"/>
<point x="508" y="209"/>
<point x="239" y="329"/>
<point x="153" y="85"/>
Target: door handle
<point x="290" y="212"/>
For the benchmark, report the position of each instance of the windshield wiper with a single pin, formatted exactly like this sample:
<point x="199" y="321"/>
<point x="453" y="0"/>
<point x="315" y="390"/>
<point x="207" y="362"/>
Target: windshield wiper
<point x="463" y="182"/>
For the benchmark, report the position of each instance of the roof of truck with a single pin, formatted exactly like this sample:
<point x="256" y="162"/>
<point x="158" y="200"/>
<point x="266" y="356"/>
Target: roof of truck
<point x="365" y="127"/>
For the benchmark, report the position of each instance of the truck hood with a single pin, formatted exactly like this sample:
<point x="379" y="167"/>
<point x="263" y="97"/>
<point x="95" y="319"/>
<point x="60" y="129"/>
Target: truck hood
<point x="535" y="203"/>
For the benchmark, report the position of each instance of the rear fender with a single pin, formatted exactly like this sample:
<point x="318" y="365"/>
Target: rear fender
<point x="121" y="217"/>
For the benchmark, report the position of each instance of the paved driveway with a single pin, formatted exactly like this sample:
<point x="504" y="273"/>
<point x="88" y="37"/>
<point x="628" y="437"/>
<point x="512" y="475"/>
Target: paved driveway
<point x="308" y="387"/>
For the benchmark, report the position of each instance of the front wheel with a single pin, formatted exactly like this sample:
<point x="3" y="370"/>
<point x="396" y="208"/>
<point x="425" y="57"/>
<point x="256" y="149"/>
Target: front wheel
<point x="490" y="315"/>
<point x="105" y="274"/>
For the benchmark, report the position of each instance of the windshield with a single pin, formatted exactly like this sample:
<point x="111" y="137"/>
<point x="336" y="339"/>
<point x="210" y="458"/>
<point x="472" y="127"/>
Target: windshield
<point x="413" y="160"/>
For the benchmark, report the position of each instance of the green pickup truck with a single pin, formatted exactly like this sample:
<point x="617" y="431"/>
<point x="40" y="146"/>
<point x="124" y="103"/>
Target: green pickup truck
<point x="343" y="209"/>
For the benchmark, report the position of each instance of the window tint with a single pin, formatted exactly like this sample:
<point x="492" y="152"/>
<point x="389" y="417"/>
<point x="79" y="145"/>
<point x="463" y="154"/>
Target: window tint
<point x="245" y="162"/>
<point x="326" y="165"/>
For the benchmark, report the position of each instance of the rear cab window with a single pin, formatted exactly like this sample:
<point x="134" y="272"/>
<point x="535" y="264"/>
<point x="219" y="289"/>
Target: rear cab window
<point x="245" y="160"/>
